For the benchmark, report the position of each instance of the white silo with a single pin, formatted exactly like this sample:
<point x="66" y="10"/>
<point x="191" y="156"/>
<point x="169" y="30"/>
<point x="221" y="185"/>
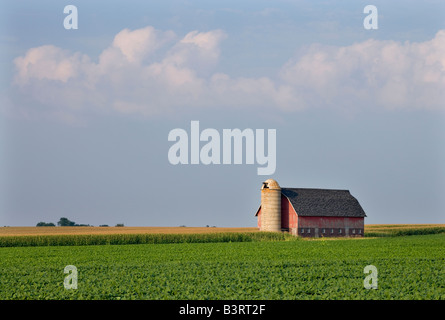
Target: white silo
<point x="270" y="206"/>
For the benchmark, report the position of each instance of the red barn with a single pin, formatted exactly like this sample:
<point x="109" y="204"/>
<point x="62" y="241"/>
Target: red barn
<point x="309" y="212"/>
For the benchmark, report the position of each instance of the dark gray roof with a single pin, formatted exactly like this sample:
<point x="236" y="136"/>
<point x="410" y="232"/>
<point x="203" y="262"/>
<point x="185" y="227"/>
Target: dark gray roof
<point x="323" y="202"/>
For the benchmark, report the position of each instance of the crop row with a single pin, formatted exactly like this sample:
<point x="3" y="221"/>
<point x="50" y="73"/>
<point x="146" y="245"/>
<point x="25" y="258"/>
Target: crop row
<point x="148" y="238"/>
<point x="397" y="232"/>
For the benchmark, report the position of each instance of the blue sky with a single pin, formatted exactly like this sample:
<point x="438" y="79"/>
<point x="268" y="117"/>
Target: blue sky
<point x="85" y="114"/>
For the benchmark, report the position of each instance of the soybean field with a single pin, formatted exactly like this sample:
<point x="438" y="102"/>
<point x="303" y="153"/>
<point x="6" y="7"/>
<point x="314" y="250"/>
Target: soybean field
<point x="409" y="267"/>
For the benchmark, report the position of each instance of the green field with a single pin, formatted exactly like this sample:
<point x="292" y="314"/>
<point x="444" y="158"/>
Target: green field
<point x="148" y="238"/>
<point x="409" y="267"/>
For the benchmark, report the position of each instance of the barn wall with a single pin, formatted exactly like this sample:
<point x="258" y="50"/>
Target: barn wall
<point x="331" y="222"/>
<point x="289" y="218"/>
<point x="340" y="226"/>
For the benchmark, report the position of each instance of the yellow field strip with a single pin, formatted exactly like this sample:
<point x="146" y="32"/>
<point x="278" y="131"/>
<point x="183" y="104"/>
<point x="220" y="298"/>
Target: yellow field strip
<point x="404" y="226"/>
<point x="26" y="231"/>
<point x="23" y="231"/>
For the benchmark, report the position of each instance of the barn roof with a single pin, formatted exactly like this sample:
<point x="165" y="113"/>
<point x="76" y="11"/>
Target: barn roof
<point x="323" y="202"/>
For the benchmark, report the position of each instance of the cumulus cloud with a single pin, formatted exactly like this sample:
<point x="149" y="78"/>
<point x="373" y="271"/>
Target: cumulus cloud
<point x="197" y="50"/>
<point x="134" y="46"/>
<point x="388" y="73"/>
<point x="48" y="63"/>
<point x="133" y="76"/>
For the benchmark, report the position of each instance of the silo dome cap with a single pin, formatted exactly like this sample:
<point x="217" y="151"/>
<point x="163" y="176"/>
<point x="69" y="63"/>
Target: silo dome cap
<point x="270" y="184"/>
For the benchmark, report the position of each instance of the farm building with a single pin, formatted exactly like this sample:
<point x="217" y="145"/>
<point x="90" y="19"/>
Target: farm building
<point x="309" y="212"/>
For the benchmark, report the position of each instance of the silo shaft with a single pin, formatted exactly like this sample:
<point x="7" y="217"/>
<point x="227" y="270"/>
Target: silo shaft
<point x="271" y="209"/>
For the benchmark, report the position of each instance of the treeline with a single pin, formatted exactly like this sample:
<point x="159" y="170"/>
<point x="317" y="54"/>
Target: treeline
<point x="65" y="222"/>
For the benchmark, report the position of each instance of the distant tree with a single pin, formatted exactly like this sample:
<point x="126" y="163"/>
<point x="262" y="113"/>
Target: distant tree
<point x="103" y="225"/>
<point x="119" y="225"/>
<point x="45" y="224"/>
<point x="65" y="222"/>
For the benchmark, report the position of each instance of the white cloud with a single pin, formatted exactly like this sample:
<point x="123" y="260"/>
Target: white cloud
<point x="134" y="46"/>
<point x="132" y="75"/>
<point x="48" y="63"/>
<point x="391" y="74"/>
